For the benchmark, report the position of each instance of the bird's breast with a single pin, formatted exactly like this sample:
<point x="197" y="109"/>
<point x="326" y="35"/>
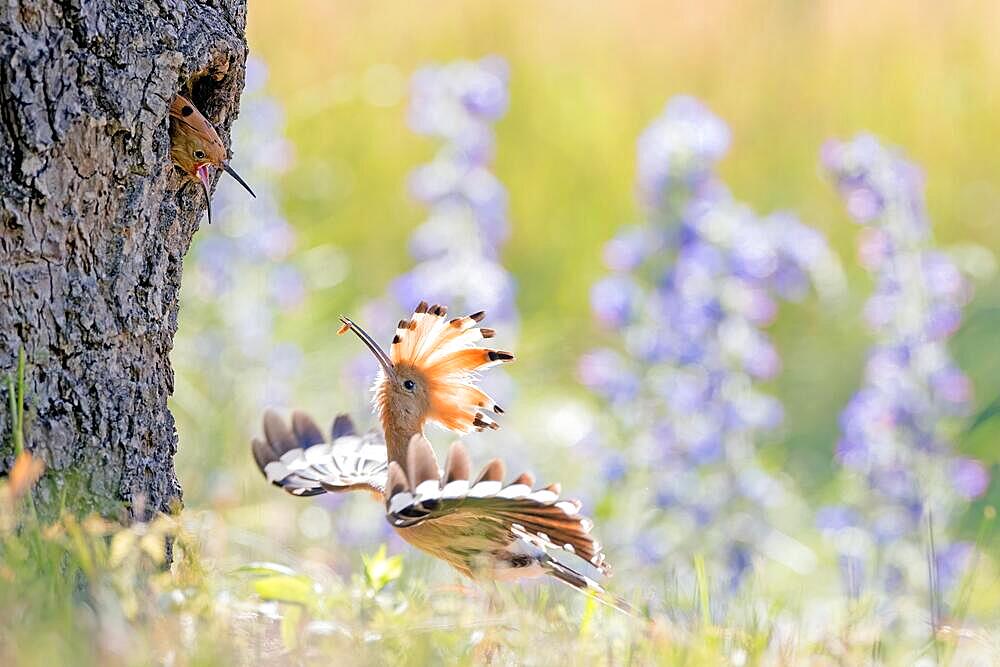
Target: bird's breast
<point x="475" y="553"/>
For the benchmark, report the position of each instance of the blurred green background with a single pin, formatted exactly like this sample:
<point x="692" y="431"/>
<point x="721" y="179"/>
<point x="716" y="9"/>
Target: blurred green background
<point x="585" y="79"/>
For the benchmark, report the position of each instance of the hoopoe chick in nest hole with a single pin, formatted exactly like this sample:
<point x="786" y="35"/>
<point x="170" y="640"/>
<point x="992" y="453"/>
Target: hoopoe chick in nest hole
<point x="483" y="527"/>
<point x="195" y="146"/>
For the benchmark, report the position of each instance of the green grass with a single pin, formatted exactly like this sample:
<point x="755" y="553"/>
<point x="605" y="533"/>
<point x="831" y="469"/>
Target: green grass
<point x="88" y="592"/>
<point x="15" y="401"/>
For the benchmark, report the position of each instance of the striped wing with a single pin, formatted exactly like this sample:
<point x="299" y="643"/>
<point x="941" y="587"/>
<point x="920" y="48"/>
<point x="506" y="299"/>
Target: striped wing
<point x="506" y="516"/>
<point x="305" y="462"/>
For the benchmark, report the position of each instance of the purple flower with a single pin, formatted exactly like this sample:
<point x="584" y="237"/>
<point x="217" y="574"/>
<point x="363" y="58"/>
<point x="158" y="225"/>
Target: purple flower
<point x="679" y="148"/>
<point x="693" y="288"/>
<point x="629" y="248"/>
<point x="458" y="247"/>
<point x="705" y="451"/>
<point x="943" y="277"/>
<point x="852" y="452"/>
<point x="739" y="562"/>
<point x="970" y="478"/>
<point x="952" y="562"/>
<point x="836" y="517"/>
<point x="615" y="300"/>
<point x="874" y="248"/>
<point x="455" y="100"/>
<point x="895" y="439"/>
<point x="287" y="287"/>
<point x="614" y="468"/>
<point x="952" y="386"/>
<point x="605" y="372"/>
<point x="852" y="572"/>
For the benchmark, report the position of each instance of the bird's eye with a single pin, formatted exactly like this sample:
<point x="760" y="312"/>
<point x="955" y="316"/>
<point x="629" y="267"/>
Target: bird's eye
<point x="199" y="154"/>
<point x="409" y="385"/>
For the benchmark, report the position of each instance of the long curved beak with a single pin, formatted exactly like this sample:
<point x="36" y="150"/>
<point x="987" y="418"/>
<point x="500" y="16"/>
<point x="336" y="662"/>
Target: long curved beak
<point x="203" y="177"/>
<point x="232" y="172"/>
<point x="379" y="353"/>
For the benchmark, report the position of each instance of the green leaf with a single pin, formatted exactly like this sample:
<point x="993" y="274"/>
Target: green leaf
<point x="262" y="569"/>
<point x="380" y="570"/>
<point x="298" y="589"/>
<point x="701" y="577"/>
<point x="590" y="607"/>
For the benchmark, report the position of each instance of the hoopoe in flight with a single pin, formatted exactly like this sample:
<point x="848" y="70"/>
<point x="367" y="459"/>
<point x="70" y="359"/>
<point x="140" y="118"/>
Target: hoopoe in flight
<point x="482" y="527"/>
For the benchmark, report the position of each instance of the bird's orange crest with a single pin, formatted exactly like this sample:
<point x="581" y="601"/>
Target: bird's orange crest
<point x="447" y="353"/>
<point x="431" y="370"/>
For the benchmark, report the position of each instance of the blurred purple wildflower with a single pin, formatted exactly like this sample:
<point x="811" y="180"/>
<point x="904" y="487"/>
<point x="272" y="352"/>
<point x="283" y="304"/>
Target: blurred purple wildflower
<point x="970" y="478"/>
<point x="896" y="431"/>
<point x="458" y="246"/>
<point x="239" y="278"/>
<point x="615" y="300"/>
<point x="689" y="294"/>
<point x="605" y="372"/>
<point x="679" y="149"/>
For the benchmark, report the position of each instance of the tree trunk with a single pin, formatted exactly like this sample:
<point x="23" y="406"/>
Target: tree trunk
<point x="94" y="224"/>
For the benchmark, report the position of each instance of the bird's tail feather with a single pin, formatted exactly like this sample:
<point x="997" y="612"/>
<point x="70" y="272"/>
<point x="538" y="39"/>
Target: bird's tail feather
<point x="586" y="585"/>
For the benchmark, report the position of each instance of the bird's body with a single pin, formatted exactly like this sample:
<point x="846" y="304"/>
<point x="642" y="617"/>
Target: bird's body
<point x="455" y="540"/>
<point x="484" y="528"/>
<point x="195" y="146"/>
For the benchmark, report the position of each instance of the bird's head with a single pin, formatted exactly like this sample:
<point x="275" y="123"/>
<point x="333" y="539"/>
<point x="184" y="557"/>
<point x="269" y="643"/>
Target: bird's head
<point x="430" y="372"/>
<point x="196" y="147"/>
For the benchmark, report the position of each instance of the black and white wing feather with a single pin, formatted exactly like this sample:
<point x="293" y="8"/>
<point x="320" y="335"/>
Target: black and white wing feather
<point x="305" y="462"/>
<point x="538" y="516"/>
<point x="486" y="528"/>
<point x="508" y="513"/>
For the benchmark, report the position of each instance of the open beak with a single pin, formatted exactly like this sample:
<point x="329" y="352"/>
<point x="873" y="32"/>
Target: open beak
<point x="383" y="358"/>
<point x="232" y="172"/>
<point x="203" y="177"/>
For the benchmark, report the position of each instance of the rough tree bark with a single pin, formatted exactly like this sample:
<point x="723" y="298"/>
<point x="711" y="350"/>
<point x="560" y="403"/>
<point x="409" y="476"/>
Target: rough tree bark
<point x="94" y="224"/>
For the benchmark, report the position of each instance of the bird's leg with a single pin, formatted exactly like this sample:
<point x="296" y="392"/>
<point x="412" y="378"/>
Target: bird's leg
<point x="494" y="600"/>
<point x="488" y="649"/>
<point x="460" y="588"/>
